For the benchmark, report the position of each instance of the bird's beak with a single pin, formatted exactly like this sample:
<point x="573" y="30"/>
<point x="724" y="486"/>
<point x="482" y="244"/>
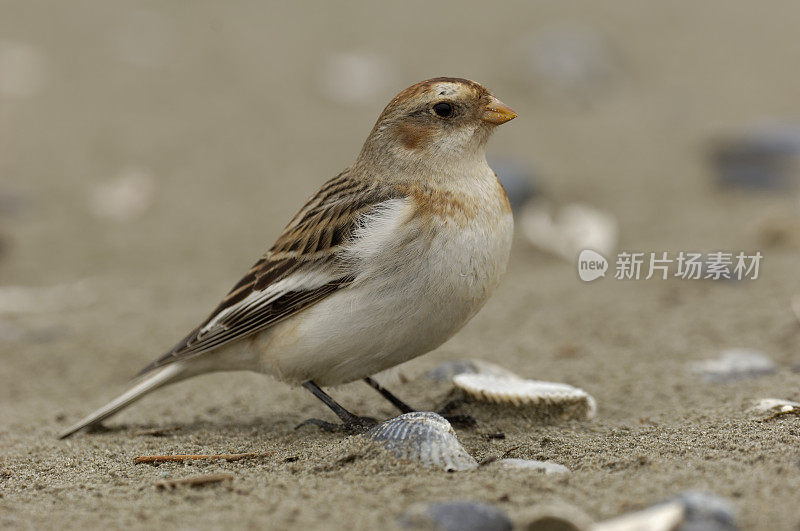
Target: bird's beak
<point x="496" y="112"/>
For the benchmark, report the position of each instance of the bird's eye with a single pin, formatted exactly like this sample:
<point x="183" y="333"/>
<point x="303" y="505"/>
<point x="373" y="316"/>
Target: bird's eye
<point x="443" y="109"/>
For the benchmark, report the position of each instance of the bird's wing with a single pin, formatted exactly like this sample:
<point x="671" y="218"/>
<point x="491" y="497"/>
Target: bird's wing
<point x="298" y="271"/>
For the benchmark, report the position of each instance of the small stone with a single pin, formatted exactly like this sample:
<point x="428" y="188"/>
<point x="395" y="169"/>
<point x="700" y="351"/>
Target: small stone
<point x="735" y="364"/>
<point x="767" y="157"/>
<point x="455" y="516"/>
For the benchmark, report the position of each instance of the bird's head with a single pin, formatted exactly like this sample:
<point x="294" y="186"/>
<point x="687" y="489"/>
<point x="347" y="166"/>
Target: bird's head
<point x="436" y="122"/>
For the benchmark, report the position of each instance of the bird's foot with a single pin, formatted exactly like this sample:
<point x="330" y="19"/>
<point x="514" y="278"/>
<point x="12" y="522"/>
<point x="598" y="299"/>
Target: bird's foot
<point x="461" y="420"/>
<point x="354" y="425"/>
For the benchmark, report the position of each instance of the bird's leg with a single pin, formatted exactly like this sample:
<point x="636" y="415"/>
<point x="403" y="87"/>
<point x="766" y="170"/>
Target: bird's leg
<point x="350" y="422"/>
<point x="459" y="420"/>
<point x="396" y="402"/>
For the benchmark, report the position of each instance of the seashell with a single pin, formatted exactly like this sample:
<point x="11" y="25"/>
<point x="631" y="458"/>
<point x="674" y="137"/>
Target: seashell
<point x="543" y="399"/>
<point x="455" y="516"/>
<point x="424" y="437"/>
<point x="572" y="229"/>
<point x="546" y="467"/>
<point x="444" y="372"/>
<point x="689" y="510"/>
<point x="735" y="364"/>
<point x="775" y="405"/>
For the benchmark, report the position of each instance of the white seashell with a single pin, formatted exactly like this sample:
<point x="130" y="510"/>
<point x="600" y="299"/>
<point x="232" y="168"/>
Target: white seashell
<point x="546" y="467"/>
<point x="735" y="364"/>
<point x="424" y="437"/>
<point x="664" y="517"/>
<point x="445" y="371"/>
<point x="519" y="392"/>
<point x="775" y="405"/>
<point x="689" y="510"/>
<point x="571" y="230"/>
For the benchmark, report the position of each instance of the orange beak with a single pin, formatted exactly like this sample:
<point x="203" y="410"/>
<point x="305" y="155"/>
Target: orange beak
<point x="496" y="112"/>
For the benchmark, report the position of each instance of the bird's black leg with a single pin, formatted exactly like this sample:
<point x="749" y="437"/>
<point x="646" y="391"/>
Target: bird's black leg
<point x="459" y="420"/>
<point x="350" y="422"/>
<point x="396" y="402"/>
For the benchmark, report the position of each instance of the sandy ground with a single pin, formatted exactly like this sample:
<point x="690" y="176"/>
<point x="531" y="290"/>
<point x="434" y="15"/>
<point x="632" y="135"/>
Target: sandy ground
<point x="222" y="106"/>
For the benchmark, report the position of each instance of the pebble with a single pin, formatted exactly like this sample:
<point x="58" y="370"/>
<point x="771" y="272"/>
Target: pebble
<point x="735" y="364"/>
<point x="455" y="516"/>
<point x="767" y="157"/>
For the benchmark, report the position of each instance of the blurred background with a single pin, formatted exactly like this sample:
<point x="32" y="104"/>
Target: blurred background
<point x="151" y="151"/>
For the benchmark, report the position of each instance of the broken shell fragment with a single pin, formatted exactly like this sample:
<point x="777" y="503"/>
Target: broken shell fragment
<point x="538" y="399"/>
<point x="545" y="467"/>
<point x="775" y="405"/>
<point x="423" y="437"/>
<point x="455" y="516"/>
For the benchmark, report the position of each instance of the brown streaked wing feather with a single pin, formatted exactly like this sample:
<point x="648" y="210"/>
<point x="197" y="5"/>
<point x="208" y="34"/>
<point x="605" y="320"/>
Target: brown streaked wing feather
<point x="310" y="241"/>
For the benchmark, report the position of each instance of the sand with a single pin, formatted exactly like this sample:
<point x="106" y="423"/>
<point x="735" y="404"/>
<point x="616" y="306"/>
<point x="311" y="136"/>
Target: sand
<point x="221" y="105"/>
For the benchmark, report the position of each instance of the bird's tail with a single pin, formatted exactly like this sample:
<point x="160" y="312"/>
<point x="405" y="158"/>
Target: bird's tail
<point x="168" y="374"/>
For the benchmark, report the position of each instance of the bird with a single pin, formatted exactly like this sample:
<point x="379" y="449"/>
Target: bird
<point x="384" y="263"/>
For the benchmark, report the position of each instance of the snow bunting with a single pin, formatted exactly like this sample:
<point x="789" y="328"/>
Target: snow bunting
<point x="384" y="263"/>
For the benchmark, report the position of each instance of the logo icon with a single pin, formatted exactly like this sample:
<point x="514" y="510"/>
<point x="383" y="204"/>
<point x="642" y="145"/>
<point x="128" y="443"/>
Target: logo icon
<point x="591" y="265"/>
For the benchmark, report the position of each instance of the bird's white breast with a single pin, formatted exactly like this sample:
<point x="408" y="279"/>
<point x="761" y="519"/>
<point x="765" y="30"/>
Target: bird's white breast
<point x="422" y="273"/>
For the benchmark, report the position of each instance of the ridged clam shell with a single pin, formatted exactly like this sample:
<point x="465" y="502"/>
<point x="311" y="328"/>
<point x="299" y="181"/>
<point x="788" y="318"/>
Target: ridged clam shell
<point x="423" y="437"/>
<point x="519" y="392"/>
